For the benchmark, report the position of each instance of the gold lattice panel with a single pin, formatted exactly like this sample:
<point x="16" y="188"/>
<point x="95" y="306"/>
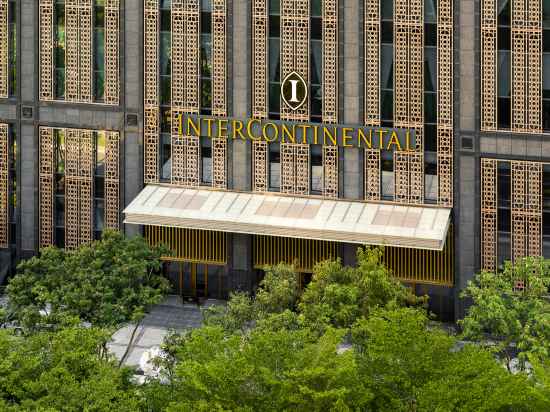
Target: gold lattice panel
<point x="86" y="172"/>
<point x="112" y="180"/>
<point x="86" y="51"/>
<point x="526" y="213"/>
<point x="518" y="214"/>
<point x="330" y="61"/>
<point x="288" y="168"/>
<point x="372" y="63"/>
<point x="260" y="154"/>
<point x="402" y="176"/>
<point x="72" y="188"/>
<point x="4" y="186"/>
<point x="295" y="50"/>
<point x="488" y="65"/>
<point x="330" y="171"/>
<point x="151" y="92"/>
<point x="46" y="49"/>
<point x="533" y="207"/>
<point x="533" y="53"/>
<point x="445" y="124"/>
<point x="302" y="169"/>
<point x="46" y="186"/>
<point x="219" y="58"/>
<point x="372" y="174"/>
<point x="4" y="49"/>
<point x="72" y="50"/>
<point x="112" y="78"/>
<point x="259" y="58"/>
<point x="219" y="166"/>
<point x="488" y="214"/>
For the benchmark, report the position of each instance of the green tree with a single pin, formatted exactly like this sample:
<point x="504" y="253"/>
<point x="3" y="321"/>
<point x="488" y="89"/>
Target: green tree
<point x="339" y="295"/>
<point x="411" y="365"/>
<point x="106" y="283"/>
<point x="66" y="370"/>
<point x="266" y="370"/>
<point x="514" y="318"/>
<point x="277" y="293"/>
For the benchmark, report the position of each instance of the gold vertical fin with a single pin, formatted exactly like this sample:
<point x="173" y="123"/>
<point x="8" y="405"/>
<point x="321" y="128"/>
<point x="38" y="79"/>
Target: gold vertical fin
<point x="112" y="71"/>
<point x="112" y="180"/>
<point x="151" y="92"/>
<point x="47" y="49"/>
<point x="4" y="186"/>
<point x="4" y="49"/>
<point x="488" y="214"/>
<point x="488" y="65"/>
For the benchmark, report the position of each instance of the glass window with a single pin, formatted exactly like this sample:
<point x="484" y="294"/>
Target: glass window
<point x="59" y="33"/>
<point x="12" y="48"/>
<point x="99" y="50"/>
<point x="165" y="157"/>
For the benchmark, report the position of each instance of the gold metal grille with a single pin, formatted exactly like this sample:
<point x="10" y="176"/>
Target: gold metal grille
<point x="86" y="51"/>
<point x="190" y="245"/>
<point x="330" y="171"/>
<point x="260" y="58"/>
<point x="151" y="91"/>
<point x="112" y="83"/>
<point x="372" y="174"/>
<point x="330" y="61"/>
<point x="80" y="162"/>
<point x="445" y="124"/>
<point x="408" y="32"/>
<point x="87" y="167"/>
<point x="295" y="168"/>
<point x="372" y="66"/>
<point x="526" y="180"/>
<point x="46" y="49"/>
<point x="260" y="154"/>
<point x="4" y="49"/>
<point x="409" y="177"/>
<point x="112" y="180"/>
<point x="4" y="186"/>
<point x="79" y="65"/>
<point x="423" y="266"/>
<point x="72" y="50"/>
<point x="526" y="66"/>
<point x="219" y="99"/>
<point x="488" y="214"/>
<point x="46" y="186"/>
<point x="304" y="253"/>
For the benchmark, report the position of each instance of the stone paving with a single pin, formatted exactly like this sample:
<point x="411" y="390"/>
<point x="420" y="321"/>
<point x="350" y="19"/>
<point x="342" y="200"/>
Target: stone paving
<point x="172" y="314"/>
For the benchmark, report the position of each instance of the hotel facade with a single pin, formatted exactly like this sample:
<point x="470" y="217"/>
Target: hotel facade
<point x="245" y="133"/>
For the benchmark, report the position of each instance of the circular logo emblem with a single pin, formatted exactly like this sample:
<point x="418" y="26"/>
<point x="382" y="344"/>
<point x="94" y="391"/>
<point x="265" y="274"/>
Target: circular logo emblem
<point x="294" y="91"/>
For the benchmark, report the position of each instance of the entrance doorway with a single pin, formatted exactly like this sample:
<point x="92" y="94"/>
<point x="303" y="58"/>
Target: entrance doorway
<point x="196" y="280"/>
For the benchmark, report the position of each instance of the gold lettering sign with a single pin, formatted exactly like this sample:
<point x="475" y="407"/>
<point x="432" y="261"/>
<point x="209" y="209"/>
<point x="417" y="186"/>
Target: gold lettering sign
<point x="346" y="136"/>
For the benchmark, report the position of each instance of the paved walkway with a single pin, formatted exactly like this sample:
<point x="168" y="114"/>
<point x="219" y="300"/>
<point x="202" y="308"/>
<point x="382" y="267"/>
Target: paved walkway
<point x="131" y="343"/>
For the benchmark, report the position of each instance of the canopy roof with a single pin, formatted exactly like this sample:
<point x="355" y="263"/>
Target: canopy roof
<point x="274" y="214"/>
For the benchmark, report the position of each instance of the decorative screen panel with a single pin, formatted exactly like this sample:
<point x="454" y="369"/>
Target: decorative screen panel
<point x="86" y="51"/>
<point x="86" y="171"/>
<point x="151" y="92"/>
<point x="72" y="192"/>
<point x="4" y="186"/>
<point x="488" y="65"/>
<point x="4" y="50"/>
<point x="372" y="63"/>
<point x="330" y="171"/>
<point x="112" y="180"/>
<point x="445" y="113"/>
<point x="79" y="51"/>
<point x="46" y="49"/>
<point x="372" y="174"/>
<point x="526" y="65"/>
<point x="488" y="214"/>
<point x="112" y="84"/>
<point x="260" y="58"/>
<point x="526" y="181"/>
<point x="46" y="186"/>
<point x="260" y="155"/>
<point x="330" y="61"/>
<point x="219" y="167"/>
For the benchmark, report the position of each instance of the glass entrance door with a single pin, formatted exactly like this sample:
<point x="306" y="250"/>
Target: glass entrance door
<point x="195" y="280"/>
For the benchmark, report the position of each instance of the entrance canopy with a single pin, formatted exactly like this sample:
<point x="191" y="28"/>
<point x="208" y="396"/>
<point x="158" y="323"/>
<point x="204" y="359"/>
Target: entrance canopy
<point x="420" y="227"/>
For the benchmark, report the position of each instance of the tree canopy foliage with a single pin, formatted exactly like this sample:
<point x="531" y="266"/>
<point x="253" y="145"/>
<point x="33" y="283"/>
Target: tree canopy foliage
<point x="105" y="283"/>
<point x="354" y="339"/>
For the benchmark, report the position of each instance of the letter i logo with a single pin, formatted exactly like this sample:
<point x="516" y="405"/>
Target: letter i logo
<point x="294" y="91"/>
